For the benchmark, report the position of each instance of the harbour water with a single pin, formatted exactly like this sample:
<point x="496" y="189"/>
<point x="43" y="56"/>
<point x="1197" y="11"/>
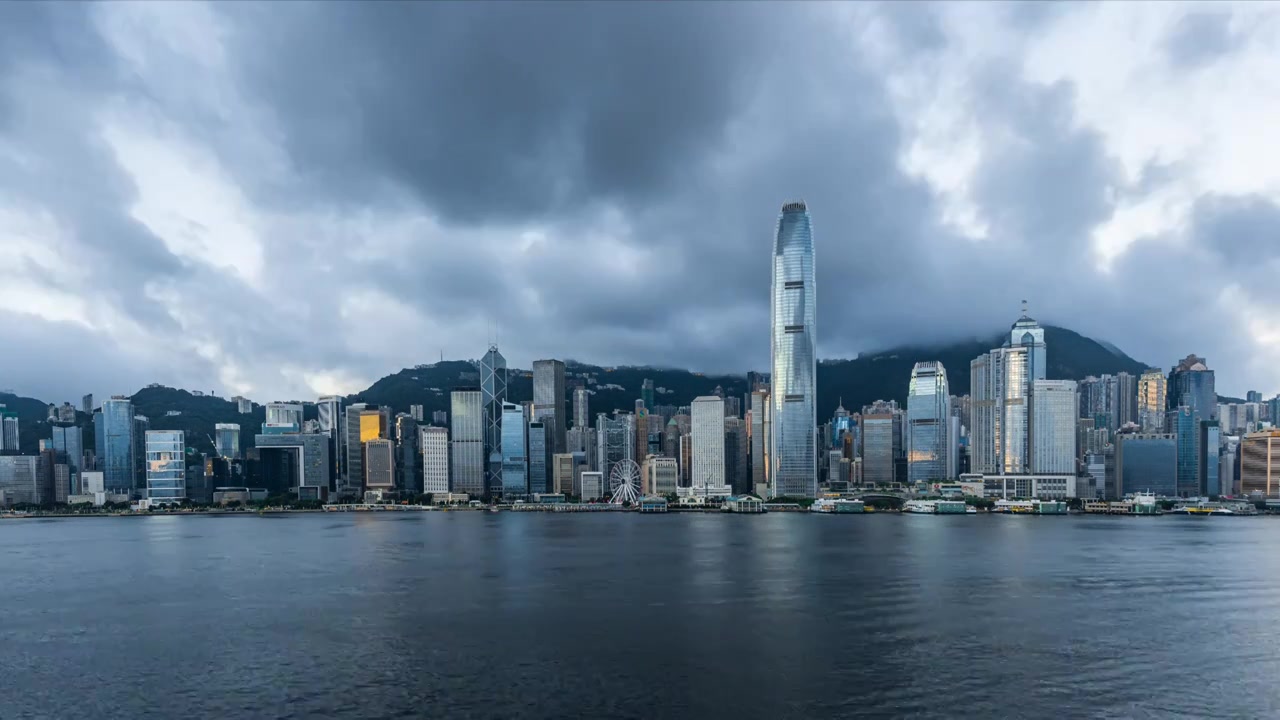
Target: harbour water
<point x="706" y="616"/>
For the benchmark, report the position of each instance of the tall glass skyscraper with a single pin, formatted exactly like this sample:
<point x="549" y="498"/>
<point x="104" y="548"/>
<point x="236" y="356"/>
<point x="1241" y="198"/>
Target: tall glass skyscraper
<point x="793" y="439"/>
<point x="166" y="466"/>
<point x="493" y="386"/>
<point x="514" y="458"/>
<point x="466" y="447"/>
<point x="929" y="439"/>
<point x="113" y="431"/>
<point x="549" y="402"/>
<point x="1000" y="384"/>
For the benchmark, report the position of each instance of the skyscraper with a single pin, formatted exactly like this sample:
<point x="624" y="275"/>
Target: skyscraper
<point x="646" y="393"/>
<point x="86" y="404"/>
<point x="1191" y="383"/>
<point x="1000" y="385"/>
<point x="9" y="439"/>
<point x="760" y="434"/>
<point x="166" y="466"/>
<point x="493" y="386"/>
<point x="929" y="441"/>
<point x="515" y="459"/>
<point x="435" y="460"/>
<point x="329" y="418"/>
<point x="736" y="454"/>
<point x="113" y="432"/>
<point x="466" y="448"/>
<point x="379" y="465"/>
<point x="539" y="458"/>
<point x="226" y="440"/>
<point x="68" y="442"/>
<point x="615" y="441"/>
<point x="877" y="448"/>
<point x="1191" y="387"/>
<point x="1053" y="427"/>
<point x="581" y="418"/>
<point x="549" y="401"/>
<point x="141" y="424"/>
<point x="408" y="481"/>
<point x="353" y="476"/>
<point x="1124" y="399"/>
<point x="1151" y="400"/>
<point x="793" y="441"/>
<point x="708" y="441"/>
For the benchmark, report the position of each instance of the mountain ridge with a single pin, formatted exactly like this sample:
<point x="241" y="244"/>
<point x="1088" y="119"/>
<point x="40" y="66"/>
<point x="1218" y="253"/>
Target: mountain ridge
<point x="880" y="375"/>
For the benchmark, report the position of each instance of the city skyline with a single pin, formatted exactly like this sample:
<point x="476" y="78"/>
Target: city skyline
<point x="186" y="223"/>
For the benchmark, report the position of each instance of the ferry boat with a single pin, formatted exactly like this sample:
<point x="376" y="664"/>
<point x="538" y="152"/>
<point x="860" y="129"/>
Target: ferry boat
<point x="936" y="507"/>
<point x="838" y="505"/>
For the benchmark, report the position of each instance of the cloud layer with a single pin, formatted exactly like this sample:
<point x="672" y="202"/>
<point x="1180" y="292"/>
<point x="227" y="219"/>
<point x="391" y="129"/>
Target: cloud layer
<point x="290" y="199"/>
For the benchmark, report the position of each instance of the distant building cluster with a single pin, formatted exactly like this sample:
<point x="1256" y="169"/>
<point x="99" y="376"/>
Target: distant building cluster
<point x="1017" y="434"/>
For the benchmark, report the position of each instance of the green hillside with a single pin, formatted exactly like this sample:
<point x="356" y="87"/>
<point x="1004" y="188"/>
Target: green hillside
<point x="856" y="382"/>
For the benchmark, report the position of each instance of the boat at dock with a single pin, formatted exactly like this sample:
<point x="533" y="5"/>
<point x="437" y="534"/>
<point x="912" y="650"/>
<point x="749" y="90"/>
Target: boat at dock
<point x="936" y="507"/>
<point x="838" y="506"/>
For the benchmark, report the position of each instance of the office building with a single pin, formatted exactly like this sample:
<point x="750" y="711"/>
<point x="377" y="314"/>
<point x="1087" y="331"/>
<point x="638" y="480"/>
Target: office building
<point x="1253" y="396"/>
<point x="760" y="433"/>
<point x="515" y="458"/>
<point x="353" y="443"/>
<point x="1191" y="384"/>
<point x="226" y="440"/>
<point x="563" y="473"/>
<point x="1124" y="399"/>
<point x="539" y="458"/>
<point x="660" y="475"/>
<point x="707" y="413"/>
<point x="68" y="442"/>
<point x="1207" y="453"/>
<point x="279" y="413"/>
<point x="166" y="466"/>
<point x="466" y="445"/>
<point x="615" y="441"/>
<point x="86" y="404"/>
<point x="1151" y="401"/>
<point x="1000" y="387"/>
<point x="25" y="480"/>
<point x="1146" y="462"/>
<point x="928" y="432"/>
<point x="793" y="453"/>
<point x="592" y="485"/>
<point x="581" y="416"/>
<point x="877" y="448"/>
<point x="646" y="393"/>
<point x="1054" y="406"/>
<point x="1184" y="424"/>
<point x="435" y="459"/>
<point x="296" y="462"/>
<point x="379" y="465"/>
<point x="141" y="424"/>
<point x="9" y="438"/>
<point x="113" y="434"/>
<point x="329" y="423"/>
<point x="736" y="454"/>
<point x="549" y="401"/>
<point x="408" y="454"/>
<point x="493" y="387"/>
<point x="1260" y="464"/>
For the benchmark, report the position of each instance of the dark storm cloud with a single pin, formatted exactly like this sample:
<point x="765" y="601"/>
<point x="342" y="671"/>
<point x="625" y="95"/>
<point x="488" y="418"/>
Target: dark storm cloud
<point x="601" y="181"/>
<point x="1200" y="38"/>
<point x="494" y="111"/>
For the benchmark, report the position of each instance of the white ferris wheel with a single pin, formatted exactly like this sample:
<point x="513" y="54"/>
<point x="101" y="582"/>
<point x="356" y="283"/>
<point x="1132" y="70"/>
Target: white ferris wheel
<point x="624" y="481"/>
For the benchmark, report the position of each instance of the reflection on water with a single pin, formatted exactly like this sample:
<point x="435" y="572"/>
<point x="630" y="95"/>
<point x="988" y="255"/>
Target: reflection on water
<point x="518" y="614"/>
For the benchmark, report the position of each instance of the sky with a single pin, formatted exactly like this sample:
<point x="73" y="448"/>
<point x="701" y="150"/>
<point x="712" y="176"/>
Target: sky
<point x="284" y="200"/>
